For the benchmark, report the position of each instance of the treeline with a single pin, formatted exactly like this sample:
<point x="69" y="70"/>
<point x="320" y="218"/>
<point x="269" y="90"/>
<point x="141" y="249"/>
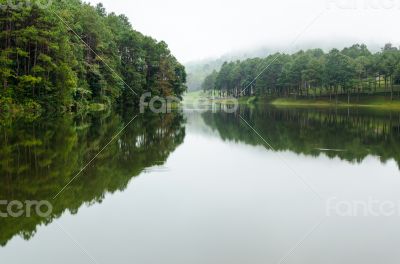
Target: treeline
<point x="72" y="54"/>
<point x="311" y="73"/>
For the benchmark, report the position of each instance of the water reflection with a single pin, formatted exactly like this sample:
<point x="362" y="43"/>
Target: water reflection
<point x="37" y="159"/>
<point x="213" y="200"/>
<point x="349" y="134"/>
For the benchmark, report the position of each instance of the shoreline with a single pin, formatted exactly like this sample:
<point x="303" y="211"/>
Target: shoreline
<point x="377" y="102"/>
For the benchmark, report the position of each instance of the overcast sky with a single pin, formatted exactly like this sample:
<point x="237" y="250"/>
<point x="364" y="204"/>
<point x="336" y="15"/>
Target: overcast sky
<point x="196" y="29"/>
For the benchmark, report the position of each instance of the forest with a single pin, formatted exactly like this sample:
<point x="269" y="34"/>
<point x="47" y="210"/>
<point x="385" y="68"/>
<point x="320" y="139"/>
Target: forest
<point x="71" y="56"/>
<point x="353" y="71"/>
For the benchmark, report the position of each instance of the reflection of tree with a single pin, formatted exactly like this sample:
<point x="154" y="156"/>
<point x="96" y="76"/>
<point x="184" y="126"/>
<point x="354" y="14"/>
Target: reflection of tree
<point x="306" y="131"/>
<point x="38" y="159"/>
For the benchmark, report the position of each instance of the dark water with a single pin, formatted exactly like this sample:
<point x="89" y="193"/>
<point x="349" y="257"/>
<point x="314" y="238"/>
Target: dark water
<point x="203" y="187"/>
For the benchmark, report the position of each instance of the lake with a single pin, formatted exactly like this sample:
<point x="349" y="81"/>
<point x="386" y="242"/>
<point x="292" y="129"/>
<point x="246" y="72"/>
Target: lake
<point x="262" y="185"/>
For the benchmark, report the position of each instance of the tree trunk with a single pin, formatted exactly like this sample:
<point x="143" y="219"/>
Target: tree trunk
<point x="336" y="94"/>
<point x="391" y="88"/>
<point x="315" y="92"/>
<point x="35" y="54"/>
<point x="348" y="97"/>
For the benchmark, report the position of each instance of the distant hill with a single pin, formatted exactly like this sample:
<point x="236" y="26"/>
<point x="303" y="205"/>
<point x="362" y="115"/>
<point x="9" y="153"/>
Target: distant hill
<point x="198" y="71"/>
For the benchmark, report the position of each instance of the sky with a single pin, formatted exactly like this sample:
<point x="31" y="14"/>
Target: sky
<point x="200" y="29"/>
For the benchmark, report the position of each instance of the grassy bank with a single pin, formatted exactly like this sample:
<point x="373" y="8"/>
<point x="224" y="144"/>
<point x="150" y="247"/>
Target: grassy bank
<point x="380" y="102"/>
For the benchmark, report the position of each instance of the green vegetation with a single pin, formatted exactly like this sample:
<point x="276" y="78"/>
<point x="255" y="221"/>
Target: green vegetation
<point x="352" y="73"/>
<point x="72" y="56"/>
<point x="368" y="101"/>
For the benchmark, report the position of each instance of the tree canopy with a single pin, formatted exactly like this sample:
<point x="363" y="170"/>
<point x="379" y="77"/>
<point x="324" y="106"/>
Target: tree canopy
<point x="72" y="54"/>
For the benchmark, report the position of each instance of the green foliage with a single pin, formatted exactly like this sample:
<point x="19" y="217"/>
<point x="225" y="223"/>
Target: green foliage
<point x="311" y="73"/>
<point x="209" y="82"/>
<point x="73" y="54"/>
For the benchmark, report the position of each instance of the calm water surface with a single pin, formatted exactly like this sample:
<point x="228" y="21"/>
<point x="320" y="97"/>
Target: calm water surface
<point x="203" y="187"/>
